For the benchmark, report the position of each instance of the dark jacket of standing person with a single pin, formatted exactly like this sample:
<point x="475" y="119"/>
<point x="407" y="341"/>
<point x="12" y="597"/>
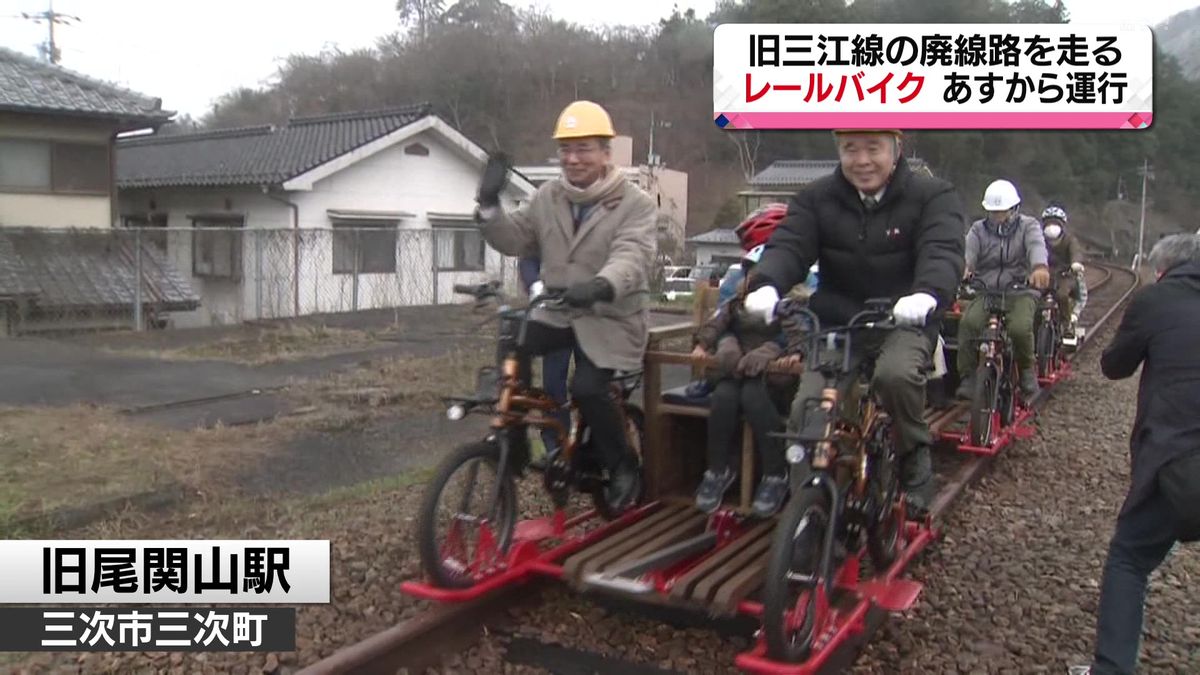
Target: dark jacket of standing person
<point x="1161" y="333"/>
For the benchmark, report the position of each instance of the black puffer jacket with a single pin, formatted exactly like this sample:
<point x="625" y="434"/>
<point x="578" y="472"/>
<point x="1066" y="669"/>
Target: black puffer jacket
<point x="912" y="241"/>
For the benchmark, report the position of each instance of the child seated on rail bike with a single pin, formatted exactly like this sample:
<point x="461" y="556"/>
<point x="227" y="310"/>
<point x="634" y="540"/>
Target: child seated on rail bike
<point x="744" y="346"/>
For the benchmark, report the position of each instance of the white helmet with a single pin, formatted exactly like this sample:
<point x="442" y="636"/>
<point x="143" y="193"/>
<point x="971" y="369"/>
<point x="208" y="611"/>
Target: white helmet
<point x="1001" y="195"/>
<point x="1053" y="231"/>
<point x="755" y="254"/>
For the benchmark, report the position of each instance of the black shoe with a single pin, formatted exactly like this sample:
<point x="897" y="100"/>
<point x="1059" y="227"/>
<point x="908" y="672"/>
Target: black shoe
<point x="623" y="485"/>
<point x="916" y="480"/>
<point x="712" y="489"/>
<point x="966" y="388"/>
<point x="1029" y="383"/>
<point x="769" y="497"/>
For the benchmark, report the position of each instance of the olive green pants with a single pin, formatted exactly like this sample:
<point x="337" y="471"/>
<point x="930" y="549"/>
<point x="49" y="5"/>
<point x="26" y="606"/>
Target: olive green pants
<point x="902" y="361"/>
<point x="1020" y="310"/>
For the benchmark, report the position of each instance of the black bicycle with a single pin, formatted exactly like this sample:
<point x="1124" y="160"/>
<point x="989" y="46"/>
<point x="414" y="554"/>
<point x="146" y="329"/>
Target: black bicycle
<point x="463" y="544"/>
<point x="845" y="485"/>
<point x="994" y="398"/>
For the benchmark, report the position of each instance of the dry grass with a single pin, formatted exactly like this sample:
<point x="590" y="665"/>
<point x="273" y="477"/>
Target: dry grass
<point x="271" y="344"/>
<point x="51" y="458"/>
<point x="416" y="384"/>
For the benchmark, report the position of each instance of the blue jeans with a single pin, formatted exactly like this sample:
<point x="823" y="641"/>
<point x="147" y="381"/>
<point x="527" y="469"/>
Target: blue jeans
<point x="1143" y="538"/>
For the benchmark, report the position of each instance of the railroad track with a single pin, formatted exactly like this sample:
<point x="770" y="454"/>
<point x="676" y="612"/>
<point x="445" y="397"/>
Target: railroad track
<point x="422" y="642"/>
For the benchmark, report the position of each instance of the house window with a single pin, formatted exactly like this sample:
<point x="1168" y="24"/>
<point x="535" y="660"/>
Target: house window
<point x="365" y="247"/>
<point x="416" y="149"/>
<point x="149" y="224"/>
<point x="458" y="249"/>
<point x="217" y="246"/>
<point x="46" y="166"/>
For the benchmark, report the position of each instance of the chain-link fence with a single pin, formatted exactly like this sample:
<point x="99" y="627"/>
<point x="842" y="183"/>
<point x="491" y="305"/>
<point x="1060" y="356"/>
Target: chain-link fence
<point x="81" y="279"/>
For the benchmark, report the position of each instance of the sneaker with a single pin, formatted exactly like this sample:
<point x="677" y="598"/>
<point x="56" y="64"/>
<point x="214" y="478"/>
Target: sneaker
<point x="712" y="489"/>
<point x="966" y="388"/>
<point x="623" y="485"/>
<point x="1029" y="383"/>
<point x="916" y="480"/>
<point x="770" y="495"/>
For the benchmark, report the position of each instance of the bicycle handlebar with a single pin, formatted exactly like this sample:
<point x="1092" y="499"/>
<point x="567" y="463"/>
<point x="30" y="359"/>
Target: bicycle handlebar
<point x="875" y="307"/>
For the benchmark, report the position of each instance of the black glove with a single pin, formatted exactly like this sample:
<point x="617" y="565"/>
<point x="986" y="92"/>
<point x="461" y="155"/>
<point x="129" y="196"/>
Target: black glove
<point x="755" y="363"/>
<point x="495" y="177"/>
<point x="587" y="293"/>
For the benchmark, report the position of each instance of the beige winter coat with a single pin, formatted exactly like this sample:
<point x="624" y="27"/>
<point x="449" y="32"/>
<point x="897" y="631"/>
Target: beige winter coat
<point x="616" y="241"/>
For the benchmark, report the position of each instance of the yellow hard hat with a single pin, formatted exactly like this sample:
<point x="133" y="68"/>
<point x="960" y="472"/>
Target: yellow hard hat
<point x="583" y="119"/>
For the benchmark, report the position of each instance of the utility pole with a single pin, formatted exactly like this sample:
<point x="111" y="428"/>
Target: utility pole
<point x="49" y="49"/>
<point x="1137" y="261"/>
<point x="651" y="158"/>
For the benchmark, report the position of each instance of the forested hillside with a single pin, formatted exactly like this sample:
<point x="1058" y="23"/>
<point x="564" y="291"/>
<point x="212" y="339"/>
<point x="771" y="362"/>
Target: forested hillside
<point x="502" y="75"/>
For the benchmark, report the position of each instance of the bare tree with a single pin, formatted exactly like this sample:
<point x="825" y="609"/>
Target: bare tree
<point x="747" y="144"/>
<point x="421" y="15"/>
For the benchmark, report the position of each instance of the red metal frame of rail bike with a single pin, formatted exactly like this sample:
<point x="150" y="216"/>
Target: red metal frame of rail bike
<point x="888" y="591"/>
<point x="525" y="557"/>
<point x="1020" y="429"/>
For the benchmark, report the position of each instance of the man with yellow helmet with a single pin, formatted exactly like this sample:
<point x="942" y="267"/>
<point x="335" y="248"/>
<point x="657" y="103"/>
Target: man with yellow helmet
<point x="594" y="233"/>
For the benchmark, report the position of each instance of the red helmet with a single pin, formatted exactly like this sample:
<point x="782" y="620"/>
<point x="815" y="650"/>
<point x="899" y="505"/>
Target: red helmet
<point x="756" y="229"/>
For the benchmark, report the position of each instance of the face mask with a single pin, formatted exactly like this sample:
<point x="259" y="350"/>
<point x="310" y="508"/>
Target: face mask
<point x="1053" y="232"/>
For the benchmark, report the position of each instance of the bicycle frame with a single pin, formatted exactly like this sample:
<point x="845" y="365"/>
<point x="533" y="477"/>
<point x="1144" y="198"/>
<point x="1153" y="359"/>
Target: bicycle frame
<point x="517" y="403"/>
<point x="832" y="432"/>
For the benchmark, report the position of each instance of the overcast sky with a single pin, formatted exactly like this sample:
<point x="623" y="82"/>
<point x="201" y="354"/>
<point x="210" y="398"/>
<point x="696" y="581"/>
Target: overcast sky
<point x="189" y="53"/>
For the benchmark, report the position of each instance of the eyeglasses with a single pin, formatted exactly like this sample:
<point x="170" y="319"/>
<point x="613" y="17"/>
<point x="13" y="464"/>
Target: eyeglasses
<point x="578" y="150"/>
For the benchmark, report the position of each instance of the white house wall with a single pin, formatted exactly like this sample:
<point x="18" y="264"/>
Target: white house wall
<point x="443" y="181"/>
<point x="222" y="301"/>
<point x="706" y="252"/>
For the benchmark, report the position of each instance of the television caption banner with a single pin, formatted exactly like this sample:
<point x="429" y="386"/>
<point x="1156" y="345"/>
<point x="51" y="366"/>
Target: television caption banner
<point x="164" y="572"/>
<point x="933" y="76"/>
<point x="178" y="629"/>
<point x="105" y="628"/>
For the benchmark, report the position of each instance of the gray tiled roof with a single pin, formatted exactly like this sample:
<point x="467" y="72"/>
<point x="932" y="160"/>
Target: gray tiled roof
<point x="786" y="173"/>
<point x="30" y="85"/>
<point x="262" y="155"/>
<point x="717" y="236"/>
<point x="92" y="269"/>
<point x="14" y="278"/>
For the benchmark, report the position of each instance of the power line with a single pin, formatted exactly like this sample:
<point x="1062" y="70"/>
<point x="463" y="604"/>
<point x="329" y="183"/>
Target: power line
<point x="49" y="49"/>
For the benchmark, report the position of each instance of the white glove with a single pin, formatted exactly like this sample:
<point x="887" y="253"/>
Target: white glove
<point x="536" y="288"/>
<point x="1074" y="319"/>
<point x="1077" y="267"/>
<point x="762" y="302"/>
<point x="911" y="310"/>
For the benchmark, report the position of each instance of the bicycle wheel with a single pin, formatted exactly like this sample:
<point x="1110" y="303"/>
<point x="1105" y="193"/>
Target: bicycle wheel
<point x="983" y="405"/>
<point x="635" y="432"/>
<point x="459" y="544"/>
<point x="1045" y="349"/>
<point x="794" y="606"/>
<point x="883" y="530"/>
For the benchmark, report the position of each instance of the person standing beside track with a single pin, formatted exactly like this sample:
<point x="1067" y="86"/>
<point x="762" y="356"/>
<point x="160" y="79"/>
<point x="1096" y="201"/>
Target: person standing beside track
<point x="878" y="229"/>
<point x="594" y="233"/>
<point x="1159" y="333"/>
